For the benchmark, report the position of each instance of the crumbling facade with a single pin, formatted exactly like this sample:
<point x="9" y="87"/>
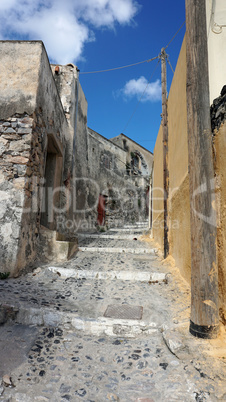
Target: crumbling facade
<point x="124" y="185"/>
<point x="34" y="135"/>
<point x="53" y="170"/>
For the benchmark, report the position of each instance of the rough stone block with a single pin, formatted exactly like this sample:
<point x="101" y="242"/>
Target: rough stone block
<point x="10" y="130"/>
<point x="24" y="131"/>
<point x="16" y="159"/>
<point x="18" y="146"/>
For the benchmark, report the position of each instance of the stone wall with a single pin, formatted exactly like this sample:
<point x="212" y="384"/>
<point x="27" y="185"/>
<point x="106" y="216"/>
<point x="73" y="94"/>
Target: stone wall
<point x="126" y="195"/>
<point x="216" y="32"/>
<point x="77" y="181"/>
<point x="133" y="150"/>
<point x="51" y="170"/>
<point x="15" y="142"/>
<point x="33" y="130"/>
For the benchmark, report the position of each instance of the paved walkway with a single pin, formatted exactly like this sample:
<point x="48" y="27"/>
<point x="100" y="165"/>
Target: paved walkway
<point x="109" y="325"/>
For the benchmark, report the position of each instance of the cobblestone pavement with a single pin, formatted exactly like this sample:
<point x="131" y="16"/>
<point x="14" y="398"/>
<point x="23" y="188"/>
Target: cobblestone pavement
<point x="74" y="353"/>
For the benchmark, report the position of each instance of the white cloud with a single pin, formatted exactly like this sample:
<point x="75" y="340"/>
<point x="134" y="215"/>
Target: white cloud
<point x="107" y="12"/>
<point x="140" y="87"/>
<point x="63" y="25"/>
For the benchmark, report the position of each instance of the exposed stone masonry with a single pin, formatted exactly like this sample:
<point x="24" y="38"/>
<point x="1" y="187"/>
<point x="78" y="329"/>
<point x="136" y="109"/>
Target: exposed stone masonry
<point x="23" y="148"/>
<point x="15" y="140"/>
<point x="52" y="168"/>
<point x="218" y="110"/>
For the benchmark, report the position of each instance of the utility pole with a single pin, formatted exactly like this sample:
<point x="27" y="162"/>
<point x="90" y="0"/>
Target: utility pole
<point x="165" y="150"/>
<point x="204" y="272"/>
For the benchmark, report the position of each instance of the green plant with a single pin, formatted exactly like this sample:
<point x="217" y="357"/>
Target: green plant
<point x="4" y="275"/>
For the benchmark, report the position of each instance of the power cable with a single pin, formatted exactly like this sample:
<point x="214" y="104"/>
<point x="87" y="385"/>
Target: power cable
<point x="153" y="74"/>
<point x="119" y="68"/>
<point x="141" y="97"/>
<point x="134" y="64"/>
<point x="167" y="58"/>
<point x="174" y="35"/>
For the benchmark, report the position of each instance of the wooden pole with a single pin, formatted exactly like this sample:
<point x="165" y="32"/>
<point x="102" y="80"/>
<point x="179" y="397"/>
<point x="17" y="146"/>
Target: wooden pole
<point x="204" y="273"/>
<point x="165" y="150"/>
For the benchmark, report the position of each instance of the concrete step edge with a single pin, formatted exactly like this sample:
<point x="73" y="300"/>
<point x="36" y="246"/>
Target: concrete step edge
<point x="142" y="276"/>
<point x="118" y="250"/>
<point x="92" y="326"/>
<point x="99" y="326"/>
<point x="129" y="236"/>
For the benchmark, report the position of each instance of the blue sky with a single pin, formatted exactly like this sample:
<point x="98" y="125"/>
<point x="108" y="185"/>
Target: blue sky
<point x="103" y="34"/>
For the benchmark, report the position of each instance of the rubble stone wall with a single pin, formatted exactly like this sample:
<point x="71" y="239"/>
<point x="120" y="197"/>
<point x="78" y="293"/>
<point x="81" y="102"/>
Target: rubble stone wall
<point x="126" y="195"/>
<point x="32" y="124"/>
<point x="132" y="148"/>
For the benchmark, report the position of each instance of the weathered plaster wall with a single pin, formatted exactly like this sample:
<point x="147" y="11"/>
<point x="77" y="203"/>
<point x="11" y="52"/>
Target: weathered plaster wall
<point x="158" y="192"/>
<point x="19" y="63"/>
<point x="220" y="171"/>
<point x="178" y="202"/>
<point x="75" y="109"/>
<point x="179" y="205"/>
<point x="179" y="229"/>
<point x="216" y="16"/>
<point x="177" y="124"/>
<point x="31" y="119"/>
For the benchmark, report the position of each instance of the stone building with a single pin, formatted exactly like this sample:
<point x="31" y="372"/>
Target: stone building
<point x="35" y="145"/>
<point x="122" y="173"/>
<point x="53" y="169"/>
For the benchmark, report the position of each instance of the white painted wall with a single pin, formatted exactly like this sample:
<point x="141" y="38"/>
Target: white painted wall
<point x="216" y="31"/>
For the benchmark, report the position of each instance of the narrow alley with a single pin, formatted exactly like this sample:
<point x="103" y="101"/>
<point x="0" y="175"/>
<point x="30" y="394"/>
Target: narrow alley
<point x="109" y="325"/>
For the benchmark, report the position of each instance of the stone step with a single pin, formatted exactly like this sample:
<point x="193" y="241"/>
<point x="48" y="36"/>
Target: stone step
<point x="129" y="230"/>
<point x="154" y="277"/>
<point x="107" y="236"/>
<point x="57" y="247"/>
<point x="100" y="326"/>
<point x="144" y="227"/>
<point x="98" y="321"/>
<point x="137" y="224"/>
<point x="117" y="250"/>
<point x="115" y="327"/>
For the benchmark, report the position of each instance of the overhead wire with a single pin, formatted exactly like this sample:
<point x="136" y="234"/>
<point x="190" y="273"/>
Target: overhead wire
<point x="167" y="58"/>
<point x="174" y="36"/>
<point x="141" y="96"/>
<point x="135" y="64"/>
<point x="153" y="74"/>
<point x="119" y="68"/>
